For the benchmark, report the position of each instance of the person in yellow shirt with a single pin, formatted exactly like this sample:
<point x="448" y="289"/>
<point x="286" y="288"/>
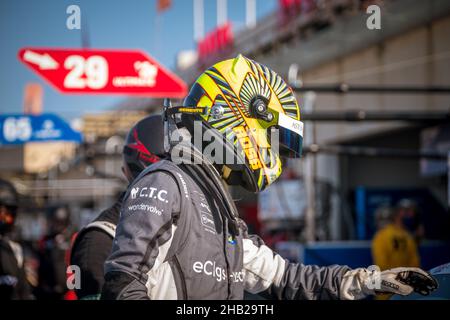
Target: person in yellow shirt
<point x="393" y="245"/>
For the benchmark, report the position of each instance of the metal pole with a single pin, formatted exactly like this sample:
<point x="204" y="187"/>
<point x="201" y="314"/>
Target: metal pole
<point x="221" y="12"/>
<point x="391" y="115"/>
<point x="347" y="88"/>
<point x="309" y="173"/>
<point x="250" y="13"/>
<point x="294" y="76"/>
<point x="199" y="26"/>
<point x="85" y="34"/>
<point x="373" y="152"/>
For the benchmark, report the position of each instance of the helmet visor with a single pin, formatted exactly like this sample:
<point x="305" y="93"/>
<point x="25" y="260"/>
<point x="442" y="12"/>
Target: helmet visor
<point x="290" y="136"/>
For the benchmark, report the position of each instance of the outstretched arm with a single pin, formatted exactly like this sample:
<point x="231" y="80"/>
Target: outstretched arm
<point x="267" y="273"/>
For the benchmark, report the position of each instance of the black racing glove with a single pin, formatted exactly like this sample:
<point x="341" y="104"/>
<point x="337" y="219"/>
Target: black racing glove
<point x="404" y="281"/>
<point x="362" y="282"/>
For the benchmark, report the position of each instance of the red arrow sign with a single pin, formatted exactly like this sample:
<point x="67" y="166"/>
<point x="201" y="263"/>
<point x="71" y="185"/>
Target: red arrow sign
<point x="103" y="71"/>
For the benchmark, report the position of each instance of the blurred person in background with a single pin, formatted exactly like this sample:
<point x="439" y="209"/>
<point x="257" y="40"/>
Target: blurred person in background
<point x="93" y="243"/>
<point x="13" y="280"/>
<point x="393" y="245"/>
<point x="179" y="234"/>
<point x="52" y="251"/>
<point x="409" y="210"/>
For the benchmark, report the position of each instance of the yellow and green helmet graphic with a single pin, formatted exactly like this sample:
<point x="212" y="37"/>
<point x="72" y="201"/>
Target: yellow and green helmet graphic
<point x="257" y="114"/>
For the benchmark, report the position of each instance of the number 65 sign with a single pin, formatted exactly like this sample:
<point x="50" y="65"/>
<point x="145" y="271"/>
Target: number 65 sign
<point x="103" y="72"/>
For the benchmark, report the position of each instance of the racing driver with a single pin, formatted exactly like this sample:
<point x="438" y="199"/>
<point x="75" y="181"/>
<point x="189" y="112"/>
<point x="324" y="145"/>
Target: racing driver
<point x="179" y="235"/>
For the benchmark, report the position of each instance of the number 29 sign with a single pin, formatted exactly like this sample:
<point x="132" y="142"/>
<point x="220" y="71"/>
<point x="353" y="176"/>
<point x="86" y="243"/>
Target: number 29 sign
<point x="103" y="72"/>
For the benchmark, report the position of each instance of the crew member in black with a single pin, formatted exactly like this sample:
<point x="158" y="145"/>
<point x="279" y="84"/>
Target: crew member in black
<point x="93" y="243"/>
<point x="13" y="282"/>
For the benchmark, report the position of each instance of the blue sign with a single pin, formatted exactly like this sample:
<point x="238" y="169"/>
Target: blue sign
<point x="21" y="128"/>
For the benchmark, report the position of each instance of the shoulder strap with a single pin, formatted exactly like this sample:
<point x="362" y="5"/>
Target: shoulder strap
<point x="17" y="251"/>
<point x="106" y="226"/>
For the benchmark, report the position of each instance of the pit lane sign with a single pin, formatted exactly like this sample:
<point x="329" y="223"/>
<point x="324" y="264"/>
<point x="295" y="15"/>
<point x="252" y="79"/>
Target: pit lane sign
<point x="103" y="71"/>
<point x="22" y="128"/>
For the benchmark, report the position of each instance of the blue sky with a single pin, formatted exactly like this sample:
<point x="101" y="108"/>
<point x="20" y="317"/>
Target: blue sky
<point x="132" y="24"/>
